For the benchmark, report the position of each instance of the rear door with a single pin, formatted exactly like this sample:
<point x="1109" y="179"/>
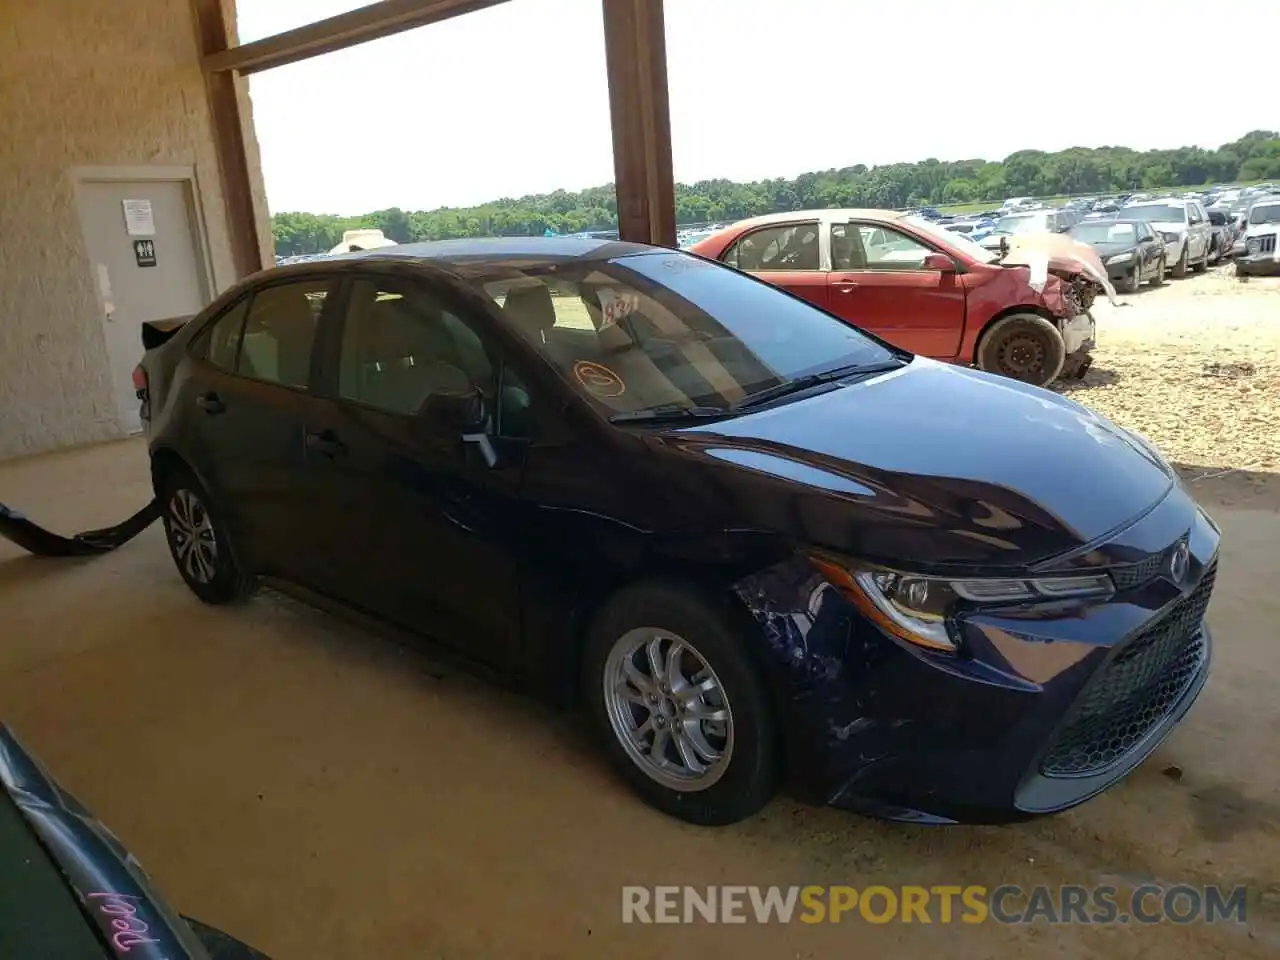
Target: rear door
<point x="249" y="395"/>
<point x="419" y="525"/>
<point x="878" y="282"/>
<point x="787" y="255"/>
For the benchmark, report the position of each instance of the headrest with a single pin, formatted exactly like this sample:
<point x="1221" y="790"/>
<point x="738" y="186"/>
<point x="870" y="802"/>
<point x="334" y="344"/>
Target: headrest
<point x="531" y="307"/>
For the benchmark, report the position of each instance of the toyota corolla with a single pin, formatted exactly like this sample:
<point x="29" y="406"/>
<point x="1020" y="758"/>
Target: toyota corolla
<point x="759" y="547"/>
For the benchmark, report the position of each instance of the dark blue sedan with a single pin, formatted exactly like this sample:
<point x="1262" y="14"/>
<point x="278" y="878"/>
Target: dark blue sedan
<point x="755" y="544"/>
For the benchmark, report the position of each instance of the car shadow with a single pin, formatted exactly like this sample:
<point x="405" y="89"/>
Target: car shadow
<point x="1093" y="377"/>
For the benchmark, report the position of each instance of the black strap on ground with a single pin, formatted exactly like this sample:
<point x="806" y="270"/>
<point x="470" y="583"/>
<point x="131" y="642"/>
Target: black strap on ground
<point x="44" y="543"/>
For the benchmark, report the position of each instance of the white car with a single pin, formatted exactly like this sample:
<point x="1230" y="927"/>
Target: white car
<point x="1261" y="253"/>
<point x="1188" y="235"/>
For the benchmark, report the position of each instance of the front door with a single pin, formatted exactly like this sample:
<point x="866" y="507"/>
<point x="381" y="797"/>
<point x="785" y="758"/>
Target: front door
<point x="878" y="282"/>
<point x="146" y="265"/>
<point x="419" y="525"/>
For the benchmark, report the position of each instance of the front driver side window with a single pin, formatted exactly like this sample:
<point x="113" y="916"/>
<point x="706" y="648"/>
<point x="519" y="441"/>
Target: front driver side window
<point x="887" y="249"/>
<point x="790" y="246"/>
<point x="396" y="341"/>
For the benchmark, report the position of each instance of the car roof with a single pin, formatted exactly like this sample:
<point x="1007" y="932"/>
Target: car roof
<point x="827" y="216"/>
<point x="500" y="248"/>
<point x="1157" y="201"/>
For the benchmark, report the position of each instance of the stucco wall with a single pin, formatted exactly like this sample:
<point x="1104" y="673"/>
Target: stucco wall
<point x="84" y="83"/>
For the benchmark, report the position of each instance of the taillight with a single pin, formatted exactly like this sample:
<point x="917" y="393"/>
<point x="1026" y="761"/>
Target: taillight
<point x="142" y="388"/>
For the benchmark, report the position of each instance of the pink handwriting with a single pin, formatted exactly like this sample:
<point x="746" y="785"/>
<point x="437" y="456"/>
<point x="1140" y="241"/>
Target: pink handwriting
<point x="129" y="930"/>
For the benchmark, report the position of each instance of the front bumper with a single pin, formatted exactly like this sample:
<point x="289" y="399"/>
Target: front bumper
<point x="1079" y="333"/>
<point x="1038" y="714"/>
<point x="1259" y="265"/>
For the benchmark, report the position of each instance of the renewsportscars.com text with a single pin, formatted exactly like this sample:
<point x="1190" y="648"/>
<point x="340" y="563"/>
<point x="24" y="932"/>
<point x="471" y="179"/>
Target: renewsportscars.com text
<point x="1068" y="904"/>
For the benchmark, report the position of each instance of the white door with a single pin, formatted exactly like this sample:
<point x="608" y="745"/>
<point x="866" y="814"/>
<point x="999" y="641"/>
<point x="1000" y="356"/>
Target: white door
<point x="144" y="254"/>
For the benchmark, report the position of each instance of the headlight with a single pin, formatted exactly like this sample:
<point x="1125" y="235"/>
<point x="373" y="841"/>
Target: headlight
<point x="1172" y="237"/>
<point x="1120" y="258"/>
<point x="1252" y="245"/>
<point x="917" y="609"/>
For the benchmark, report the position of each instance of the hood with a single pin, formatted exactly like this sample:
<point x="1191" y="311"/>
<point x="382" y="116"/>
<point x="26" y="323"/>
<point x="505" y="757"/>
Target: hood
<point x="933" y="467"/>
<point x="1057" y="253"/>
<point x="97" y="874"/>
<point x="1109" y="248"/>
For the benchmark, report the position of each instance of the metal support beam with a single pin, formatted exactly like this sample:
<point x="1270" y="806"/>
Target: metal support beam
<point x="212" y="22"/>
<point x="636" y="53"/>
<point x="337" y="33"/>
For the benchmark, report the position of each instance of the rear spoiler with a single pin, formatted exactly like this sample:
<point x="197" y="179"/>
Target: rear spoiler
<point x="156" y="333"/>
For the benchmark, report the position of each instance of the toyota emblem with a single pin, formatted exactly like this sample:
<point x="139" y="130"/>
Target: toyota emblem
<point x="1179" y="562"/>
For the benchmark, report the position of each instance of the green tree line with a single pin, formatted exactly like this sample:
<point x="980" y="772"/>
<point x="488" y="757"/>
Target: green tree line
<point x="1034" y="173"/>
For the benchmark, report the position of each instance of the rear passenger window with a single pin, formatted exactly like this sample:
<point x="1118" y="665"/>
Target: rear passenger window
<point x="280" y="330"/>
<point x="789" y="246"/>
<point x="223" y="340"/>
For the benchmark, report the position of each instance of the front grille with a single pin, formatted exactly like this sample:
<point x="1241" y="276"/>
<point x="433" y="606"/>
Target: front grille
<point x="1267" y="244"/>
<point x="1136" y="574"/>
<point x="1136" y="689"/>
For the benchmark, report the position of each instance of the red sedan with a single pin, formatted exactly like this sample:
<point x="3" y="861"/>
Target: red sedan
<point x="923" y="288"/>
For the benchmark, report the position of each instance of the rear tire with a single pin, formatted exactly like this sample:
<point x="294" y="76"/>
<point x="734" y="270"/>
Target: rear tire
<point x="705" y="709"/>
<point x="200" y="543"/>
<point x="1180" y="268"/>
<point x="1023" y="346"/>
<point x="1203" y="264"/>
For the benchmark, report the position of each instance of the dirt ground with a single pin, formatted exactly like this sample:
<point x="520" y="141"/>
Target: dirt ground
<point x="325" y="794"/>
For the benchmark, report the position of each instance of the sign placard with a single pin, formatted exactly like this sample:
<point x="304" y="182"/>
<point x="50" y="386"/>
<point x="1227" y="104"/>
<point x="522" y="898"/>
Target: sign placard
<point x="138" y="219"/>
<point x="144" y="251"/>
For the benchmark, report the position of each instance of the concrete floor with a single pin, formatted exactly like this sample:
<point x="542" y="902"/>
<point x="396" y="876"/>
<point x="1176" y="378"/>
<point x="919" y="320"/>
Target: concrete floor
<point x="322" y="793"/>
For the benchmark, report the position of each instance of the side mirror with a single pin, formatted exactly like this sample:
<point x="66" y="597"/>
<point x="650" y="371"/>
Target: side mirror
<point x="453" y="403"/>
<point x="940" y="262"/>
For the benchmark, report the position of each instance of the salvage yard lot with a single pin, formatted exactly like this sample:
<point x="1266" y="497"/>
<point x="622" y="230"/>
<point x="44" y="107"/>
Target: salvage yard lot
<point x="326" y="794"/>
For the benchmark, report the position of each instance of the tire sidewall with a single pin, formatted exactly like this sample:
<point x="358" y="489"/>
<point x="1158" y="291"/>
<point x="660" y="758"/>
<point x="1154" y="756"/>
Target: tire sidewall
<point x="1055" y="349"/>
<point x="753" y="774"/>
<point x="229" y="581"/>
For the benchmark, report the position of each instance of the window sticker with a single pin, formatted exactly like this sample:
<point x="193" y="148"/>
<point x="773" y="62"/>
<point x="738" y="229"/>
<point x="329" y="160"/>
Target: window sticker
<point x="599" y="379"/>
<point x="615" y="305"/>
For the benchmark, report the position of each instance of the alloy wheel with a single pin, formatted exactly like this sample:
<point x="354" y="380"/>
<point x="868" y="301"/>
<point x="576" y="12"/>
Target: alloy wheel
<point x="668" y="709"/>
<point x="191" y="536"/>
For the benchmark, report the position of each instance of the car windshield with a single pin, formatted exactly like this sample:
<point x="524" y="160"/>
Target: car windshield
<point x="1028" y="223"/>
<point x="1158" y="213"/>
<point x="669" y="330"/>
<point x="1265" y="213"/>
<point x="947" y="237"/>
<point x="1095" y="231"/>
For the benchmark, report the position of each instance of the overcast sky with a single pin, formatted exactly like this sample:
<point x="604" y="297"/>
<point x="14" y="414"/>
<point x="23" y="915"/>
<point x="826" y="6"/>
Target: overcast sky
<point x="513" y="100"/>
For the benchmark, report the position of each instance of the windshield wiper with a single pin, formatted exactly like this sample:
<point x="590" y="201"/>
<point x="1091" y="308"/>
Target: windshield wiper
<point x="668" y="411"/>
<point x="812" y="380"/>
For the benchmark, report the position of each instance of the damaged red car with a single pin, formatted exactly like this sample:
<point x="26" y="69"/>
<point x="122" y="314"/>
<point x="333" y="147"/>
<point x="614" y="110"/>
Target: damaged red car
<point x="1023" y="311"/>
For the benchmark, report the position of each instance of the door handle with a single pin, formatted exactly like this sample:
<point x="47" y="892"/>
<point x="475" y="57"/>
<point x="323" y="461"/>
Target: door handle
<point x="211" y="403"/>
<point x="846" y="286"/>
<point x="325" y="442"/>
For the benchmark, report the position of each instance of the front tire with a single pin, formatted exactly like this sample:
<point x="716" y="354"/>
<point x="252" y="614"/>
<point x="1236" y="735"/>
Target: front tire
<point x="199" y="542"/>
<point x="1203" y="263"/>
<point x="1180" y="268"/>
<point x="680" y="705"/>
<point x="1023" y="346"/>
<point x="1158" y="279"/>
<point x="1134" y="282"/>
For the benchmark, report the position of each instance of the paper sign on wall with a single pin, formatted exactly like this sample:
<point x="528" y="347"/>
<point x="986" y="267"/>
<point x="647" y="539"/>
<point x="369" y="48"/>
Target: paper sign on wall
<point x="138" y="219"/>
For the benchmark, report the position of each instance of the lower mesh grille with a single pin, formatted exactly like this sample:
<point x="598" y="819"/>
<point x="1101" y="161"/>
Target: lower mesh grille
<point x="1134" y="691"/>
